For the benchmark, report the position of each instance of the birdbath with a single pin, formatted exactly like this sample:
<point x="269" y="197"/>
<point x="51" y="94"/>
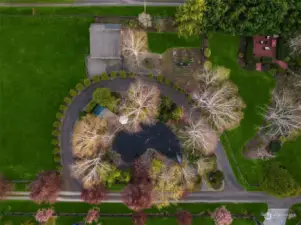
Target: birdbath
<point x="123" y="119"/>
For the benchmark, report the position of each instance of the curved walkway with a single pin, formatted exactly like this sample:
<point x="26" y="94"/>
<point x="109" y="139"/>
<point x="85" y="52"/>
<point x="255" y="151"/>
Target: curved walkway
<point x="121" y="85"/>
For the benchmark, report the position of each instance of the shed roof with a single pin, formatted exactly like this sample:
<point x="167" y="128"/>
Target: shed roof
<point x="105" y="40"/>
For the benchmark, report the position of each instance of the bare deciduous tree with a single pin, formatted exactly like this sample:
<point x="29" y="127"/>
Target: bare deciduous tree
<point x="133" y="46"/>
<point x="295" y="45"/>
<point x="222" y="105"/>
<point x="214" y="76"/>
<point x="199" y="137"/>
<point x="140" y="105"/>
<point x="91" y="171"/>
<point x="283" y="116"/>
<point x="90" y="134"/>
<point x="43" y="215"/>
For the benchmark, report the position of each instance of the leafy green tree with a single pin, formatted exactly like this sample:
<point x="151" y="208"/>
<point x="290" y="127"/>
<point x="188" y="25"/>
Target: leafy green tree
<point x="103" y="97"/>
<point x="190" y="17"/>
<point x="246" y="17"/>
<point x="276" y="180"/>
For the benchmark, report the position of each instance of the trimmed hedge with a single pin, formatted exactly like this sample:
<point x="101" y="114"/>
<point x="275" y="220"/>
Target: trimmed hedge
<point x="266" y="59"/>
<point x="249" y="51"/>
<point x="280" y="49"/>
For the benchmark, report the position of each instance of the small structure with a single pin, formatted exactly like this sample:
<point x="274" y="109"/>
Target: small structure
<point x="98" y="110"/>
<point x="265" y="46"/>
<point x="105" y="53"/>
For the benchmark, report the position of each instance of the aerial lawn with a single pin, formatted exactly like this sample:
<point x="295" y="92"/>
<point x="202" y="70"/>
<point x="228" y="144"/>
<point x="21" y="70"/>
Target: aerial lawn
<point x="41" y="59"/>
<point x="295" y="209"/>
<point x="28" y="206"/>
<point x="255" y="88"/>
<point x="160" y="42"/>
<point x="290" y="157"/>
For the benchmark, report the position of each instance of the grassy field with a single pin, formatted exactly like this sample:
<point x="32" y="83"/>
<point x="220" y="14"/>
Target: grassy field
<point x="27" y="206"/>
<point x="160" y="42"/>
<point x="88" y="11"/>
<point x="254" y="87"/>
<point x="41" y="59"/>
<point x="296" y="209"/>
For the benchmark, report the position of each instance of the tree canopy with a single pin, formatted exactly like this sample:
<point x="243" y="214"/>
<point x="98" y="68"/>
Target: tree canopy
<point x="246" y="17"/>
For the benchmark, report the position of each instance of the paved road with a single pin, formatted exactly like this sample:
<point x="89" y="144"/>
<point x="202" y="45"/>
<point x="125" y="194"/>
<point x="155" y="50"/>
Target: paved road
<point x="98" y="3"/>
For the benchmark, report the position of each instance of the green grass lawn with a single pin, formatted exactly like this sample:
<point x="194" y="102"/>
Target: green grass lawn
<point x="41" y="59"/>
<point x="254" y="87"/>
<point x="160" y="42"/>
<point x="296" y="209"/>
<point x="290" y="157"/>
<point x="93" y="10"/>
<point x="28" y="206"/>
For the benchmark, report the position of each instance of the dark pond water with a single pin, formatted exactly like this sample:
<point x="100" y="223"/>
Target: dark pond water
<point x="158" y="136"/>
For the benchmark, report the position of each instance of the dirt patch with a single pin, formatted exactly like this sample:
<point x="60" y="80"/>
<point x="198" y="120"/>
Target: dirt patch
<point x="179" y="65"/>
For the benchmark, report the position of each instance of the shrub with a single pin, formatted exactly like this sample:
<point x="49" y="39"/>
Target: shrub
<point x="57" y="158"/>
<point x="59" y="115"/>
<point x="91" y="106"/>
<point x="207" y="52"/>
<point x="56" y="151"/>
<point x="56" y="124"/>
<point x="55" y="133"/>
<point x="274" y="146"/>
<point x="215" y="179"/>
<point x="103" y="97"/>
<point x="68" y="100"/>
<point x="132" y="75"/>
<point x="176" y="86"/>
<point x="150" y="76"/>
<point x="79" y="87"/>
<point x="59" y="168"/>
<point x="55" y="142"/>
<point x="87" y="82"/>
<point x="63" y="107"/>
<point x="266" y="59"/>
<point x="104" y="76"/>
<point x="113" y="74"/>
<point x="122" y="74"/>
<point x="280" y="49"/>
<point x="241" y="55"/>
<point x="249" y="52"/>
<point x="272" y="71"/>
<point x="166" y="81"/>
<point x="276" y="180"/>
<point x="160" y="78"/>
<point x="207" y="65"/>
<point x="73" y="92"/>
<point x="96" y="79"/>
<point x="159" y="24"/>
<point x="177" y="113"/>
